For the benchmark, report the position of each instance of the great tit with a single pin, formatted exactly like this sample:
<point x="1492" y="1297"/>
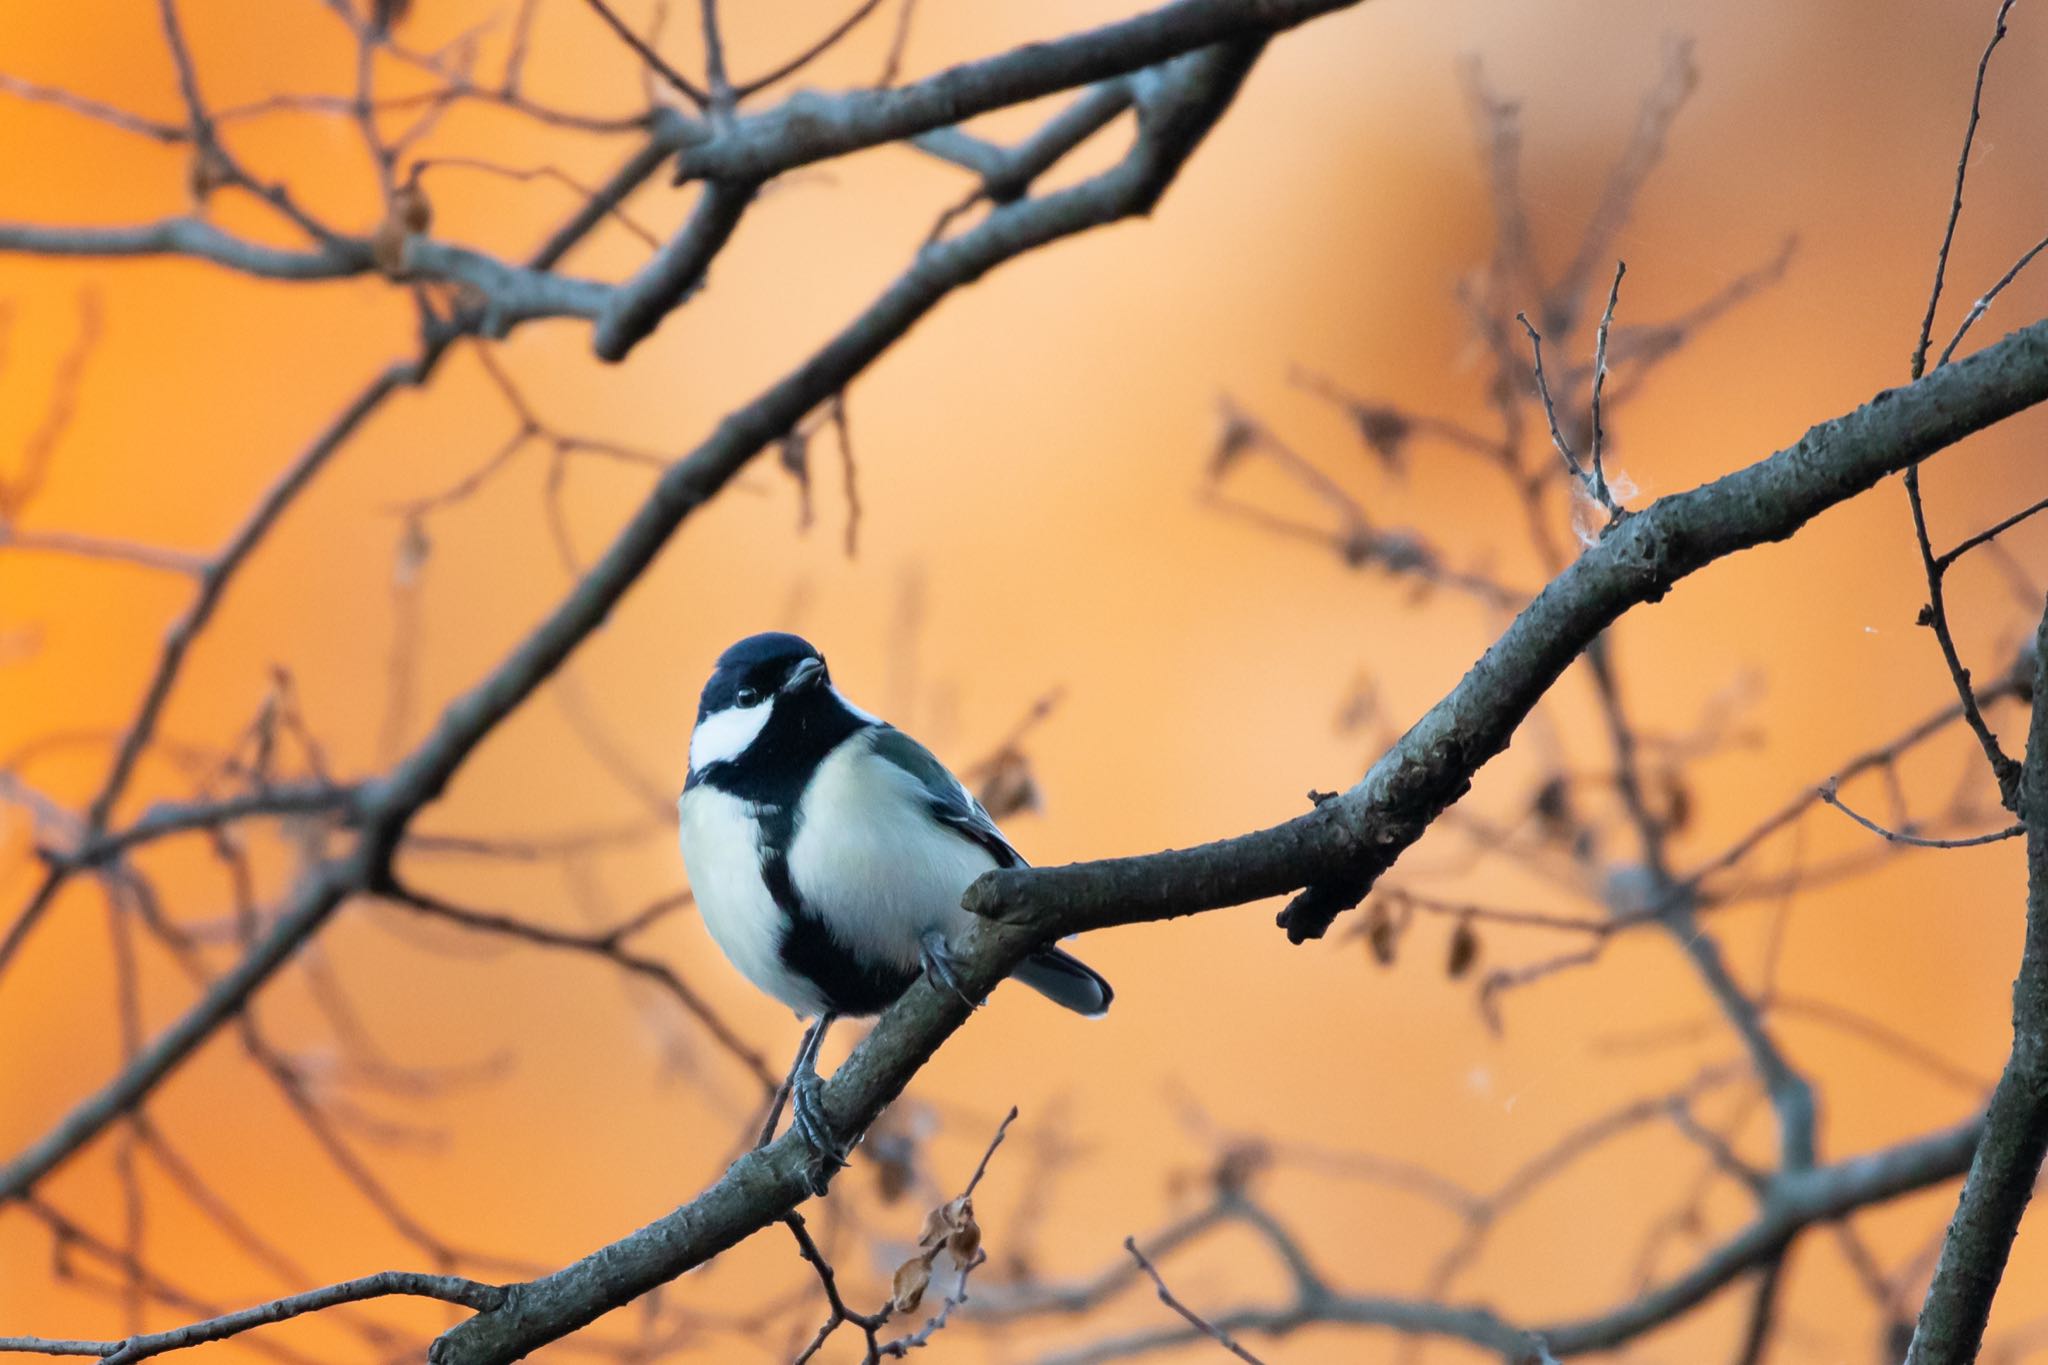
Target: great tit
<point x="828" y="852"/>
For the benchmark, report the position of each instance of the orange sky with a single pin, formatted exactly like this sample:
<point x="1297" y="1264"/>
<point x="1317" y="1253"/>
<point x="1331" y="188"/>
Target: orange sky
<point x="1029" y="464"/>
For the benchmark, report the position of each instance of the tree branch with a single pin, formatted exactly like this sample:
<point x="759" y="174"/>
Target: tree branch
<point x="809" y="127"/>
<point x="446" y="1288"/>
<point x="2008" y="1161"/>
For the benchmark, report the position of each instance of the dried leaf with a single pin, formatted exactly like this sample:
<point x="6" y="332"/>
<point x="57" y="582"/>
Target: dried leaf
<point x="1361" y="707"/>
<point x="387" y="247"/>
<point x="206" y="172"/>
<point x="966" y="1239"/>
<point x="388" y="14"/>
<point x="1553" y="807"/>
<point x="913" y="1277"/>
<point x="407" y="216"/>
<point x="1357" y="544"/>
<point x="1584" y="847"/>
<point x="936" y="1229"/>
<point x="413" y="550"/>
<point x="1010" y="786"/>
<point x="1382" y="934"/>
<point x="410" y="205"/>
<point x="793" y="452"/>
<point x="1385" y="431"/>
<point x="1677" y="802"/>
<point x="1238" y="1164"/>
<point x="893" y="1154"/>
<point x="1238" y="438"/>
<point x="1464" y="950"/>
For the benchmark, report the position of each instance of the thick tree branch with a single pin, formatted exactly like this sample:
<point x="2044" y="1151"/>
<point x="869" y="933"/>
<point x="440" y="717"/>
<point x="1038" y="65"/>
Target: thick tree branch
<point x="632" y="310"/>
<point x="809" y="127"/>
<point x="2008" y="1161"/>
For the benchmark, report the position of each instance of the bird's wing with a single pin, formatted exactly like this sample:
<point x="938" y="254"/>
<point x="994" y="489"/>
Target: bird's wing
<point x="951" y="803"/>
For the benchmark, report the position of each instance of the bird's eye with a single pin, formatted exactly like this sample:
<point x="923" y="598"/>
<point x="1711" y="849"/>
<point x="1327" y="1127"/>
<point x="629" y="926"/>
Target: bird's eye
<point x="749" y="697"/>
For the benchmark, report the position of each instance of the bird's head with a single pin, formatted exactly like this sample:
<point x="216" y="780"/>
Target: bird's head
<point x="751" y="680"/>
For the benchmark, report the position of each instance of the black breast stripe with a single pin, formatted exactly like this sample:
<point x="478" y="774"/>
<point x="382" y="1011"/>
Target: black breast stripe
<point x="778" y="767"/>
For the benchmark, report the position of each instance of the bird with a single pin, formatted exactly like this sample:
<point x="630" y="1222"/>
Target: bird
<point x="828" y="852"/>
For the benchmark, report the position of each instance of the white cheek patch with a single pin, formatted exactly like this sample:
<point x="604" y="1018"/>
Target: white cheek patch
<point x="725" y="735"/>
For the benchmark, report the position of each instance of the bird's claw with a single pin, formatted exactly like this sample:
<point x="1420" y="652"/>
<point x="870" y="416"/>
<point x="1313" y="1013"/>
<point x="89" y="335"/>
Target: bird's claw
<point x="942" y="966"/>
<point x="808" y="1119"/>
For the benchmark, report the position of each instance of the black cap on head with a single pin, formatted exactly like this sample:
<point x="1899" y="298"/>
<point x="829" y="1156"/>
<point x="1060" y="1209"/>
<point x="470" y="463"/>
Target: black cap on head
<point x="758" y="664"/>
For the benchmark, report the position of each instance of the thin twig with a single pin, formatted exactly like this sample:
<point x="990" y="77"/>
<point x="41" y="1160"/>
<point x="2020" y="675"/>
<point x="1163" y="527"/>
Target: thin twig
<point x="1195" y="1320"/>
<point x="809" y="54"/>
<point x="1564" y="447"/>
<point x="1600" y="493"/>
<point x="446" y="1288"/>
<point x="655" y="61"/>
<point x="1986" y="299"/>
<point x="1986" y="536"/>
<point x="1955" y="208"/>
<point x="1829" y="795"/>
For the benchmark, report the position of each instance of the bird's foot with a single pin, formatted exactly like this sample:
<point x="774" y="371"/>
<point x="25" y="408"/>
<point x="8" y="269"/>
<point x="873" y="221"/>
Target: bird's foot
<point x="942" y="966"/>
<point x="808" y="1118"/>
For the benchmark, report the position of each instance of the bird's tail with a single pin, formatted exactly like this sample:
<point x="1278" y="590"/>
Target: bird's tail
<point x="1066" y="980"/>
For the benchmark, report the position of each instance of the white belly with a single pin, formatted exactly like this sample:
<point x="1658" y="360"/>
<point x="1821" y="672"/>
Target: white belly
<point x="722" y="854"/>
<point x="871" y="862"/>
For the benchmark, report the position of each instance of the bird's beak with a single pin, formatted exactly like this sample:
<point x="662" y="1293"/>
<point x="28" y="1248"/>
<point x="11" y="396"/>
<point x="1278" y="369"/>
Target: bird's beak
<point x="804" y="675"/>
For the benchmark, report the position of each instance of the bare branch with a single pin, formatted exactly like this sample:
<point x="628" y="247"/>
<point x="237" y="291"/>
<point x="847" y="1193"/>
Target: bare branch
<point x="1955" y="208"/>
<point x="809" y="54"/>
<point x="1987" y="298"/>
<point x="2008" y="1161"/>
<point x="682" y="84"/>
<point x="807" y="129"/>
<point x="1195" y="1319"/>
<point x="445" y="1288"/>
<point x="1829" y="796"/>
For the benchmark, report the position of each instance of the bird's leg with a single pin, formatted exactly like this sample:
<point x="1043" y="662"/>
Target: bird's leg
<point x="807" y="1106"/>
<point x="942" y="966"/>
